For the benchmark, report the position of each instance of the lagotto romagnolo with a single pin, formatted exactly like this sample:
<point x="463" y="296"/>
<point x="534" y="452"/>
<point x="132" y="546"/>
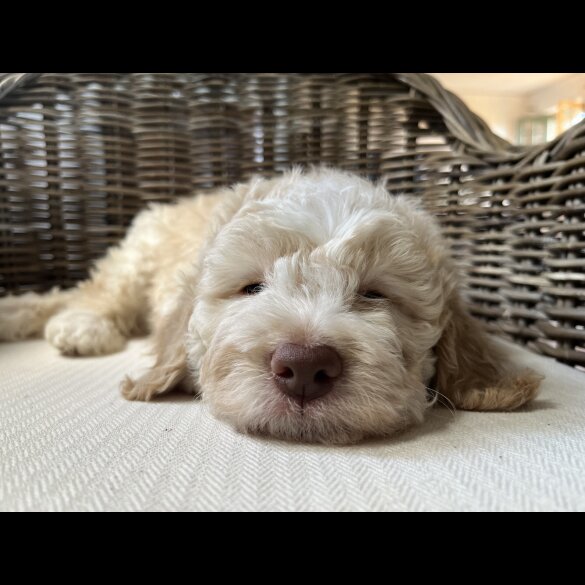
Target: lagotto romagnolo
<point x="312" y="307"/>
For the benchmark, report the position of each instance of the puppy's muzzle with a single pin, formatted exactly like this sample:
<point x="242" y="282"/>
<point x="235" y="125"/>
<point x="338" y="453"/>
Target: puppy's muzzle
<point x="305" y="372"/>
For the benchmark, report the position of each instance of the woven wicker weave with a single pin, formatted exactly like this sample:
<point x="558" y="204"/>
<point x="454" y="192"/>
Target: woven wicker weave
<point x="82" y="153"/>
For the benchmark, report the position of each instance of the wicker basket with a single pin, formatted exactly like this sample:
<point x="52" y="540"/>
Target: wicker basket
<point x="82" y="153"/>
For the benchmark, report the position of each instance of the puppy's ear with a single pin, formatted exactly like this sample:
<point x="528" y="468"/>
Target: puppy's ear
<point x="472" y="371"/>
<point x="170" y="370"/>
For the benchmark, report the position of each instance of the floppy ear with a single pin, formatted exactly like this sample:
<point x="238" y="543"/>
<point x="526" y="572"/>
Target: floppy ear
<point x="170" y="370"/>
<point x="474" y="372"/>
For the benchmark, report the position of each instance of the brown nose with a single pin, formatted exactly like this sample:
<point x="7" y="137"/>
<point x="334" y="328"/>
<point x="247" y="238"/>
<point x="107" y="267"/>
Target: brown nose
<point x="305" y="372"/>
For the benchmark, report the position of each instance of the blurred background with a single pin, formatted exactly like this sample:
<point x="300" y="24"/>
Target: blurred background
<point x="523" y="108"/>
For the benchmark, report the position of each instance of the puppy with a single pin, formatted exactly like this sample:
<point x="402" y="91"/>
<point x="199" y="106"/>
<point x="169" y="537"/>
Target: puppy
<point x="312" y="307"/>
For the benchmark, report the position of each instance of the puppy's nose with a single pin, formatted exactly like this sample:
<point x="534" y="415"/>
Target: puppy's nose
<point x="305" y="372"/>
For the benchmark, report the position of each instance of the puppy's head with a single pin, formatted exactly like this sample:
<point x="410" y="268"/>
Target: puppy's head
<point x="320" y="309"/>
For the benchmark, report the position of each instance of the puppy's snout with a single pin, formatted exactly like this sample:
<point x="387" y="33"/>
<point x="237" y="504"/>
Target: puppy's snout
<point x="305" y="372"/>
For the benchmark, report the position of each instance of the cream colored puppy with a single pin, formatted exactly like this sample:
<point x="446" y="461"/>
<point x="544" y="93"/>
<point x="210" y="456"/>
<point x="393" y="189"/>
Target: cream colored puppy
<point x="313" y="307"/>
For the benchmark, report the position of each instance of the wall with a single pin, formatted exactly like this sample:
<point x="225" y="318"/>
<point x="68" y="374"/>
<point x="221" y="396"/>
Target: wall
<point x="548" y="97"/>
<point x="499" y="111"/>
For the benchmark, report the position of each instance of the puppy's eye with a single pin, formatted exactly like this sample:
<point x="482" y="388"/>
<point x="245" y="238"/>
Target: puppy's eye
<point x="253" y="289"/>
<point x="372" y="294"/>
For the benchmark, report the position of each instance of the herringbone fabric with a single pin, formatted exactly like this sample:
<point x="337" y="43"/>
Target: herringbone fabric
<point x="68" y="441"/>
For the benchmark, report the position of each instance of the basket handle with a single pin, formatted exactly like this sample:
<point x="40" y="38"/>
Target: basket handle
<point x="463" y="124"/>
<point x="11" y="81"/>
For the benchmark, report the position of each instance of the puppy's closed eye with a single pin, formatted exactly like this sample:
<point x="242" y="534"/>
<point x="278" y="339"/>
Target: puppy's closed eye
<point x="372" y="295"/>
<point x="253" y="289"/>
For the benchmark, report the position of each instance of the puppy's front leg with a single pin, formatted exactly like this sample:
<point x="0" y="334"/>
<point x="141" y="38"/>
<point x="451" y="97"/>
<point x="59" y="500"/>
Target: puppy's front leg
<point x="170" y="369"/>
<point x="104" y="311"/>
<point x="97" y="321"/>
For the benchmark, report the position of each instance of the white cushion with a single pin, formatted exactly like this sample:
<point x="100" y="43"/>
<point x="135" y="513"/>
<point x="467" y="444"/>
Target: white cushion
<point x="68" y="441"/>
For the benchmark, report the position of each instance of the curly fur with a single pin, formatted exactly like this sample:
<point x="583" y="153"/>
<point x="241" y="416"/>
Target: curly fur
<point x="316" y="240"/>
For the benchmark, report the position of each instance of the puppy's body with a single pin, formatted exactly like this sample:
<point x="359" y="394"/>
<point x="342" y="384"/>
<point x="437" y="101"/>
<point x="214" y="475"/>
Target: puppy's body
<point x="338" y="263"/>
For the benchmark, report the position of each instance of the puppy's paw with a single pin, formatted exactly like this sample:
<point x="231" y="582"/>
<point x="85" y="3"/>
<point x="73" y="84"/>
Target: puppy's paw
<point x="132" y="390"/>
<point x="84" y="333"/>
<point x="511" y="393"/>
<point x="160" y="379"/>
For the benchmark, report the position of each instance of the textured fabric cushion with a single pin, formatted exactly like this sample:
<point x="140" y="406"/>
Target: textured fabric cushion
<point x="68" y="441"/>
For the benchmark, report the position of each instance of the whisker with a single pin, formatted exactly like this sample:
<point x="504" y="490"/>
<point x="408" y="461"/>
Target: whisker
<point x="442" y="399"/>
